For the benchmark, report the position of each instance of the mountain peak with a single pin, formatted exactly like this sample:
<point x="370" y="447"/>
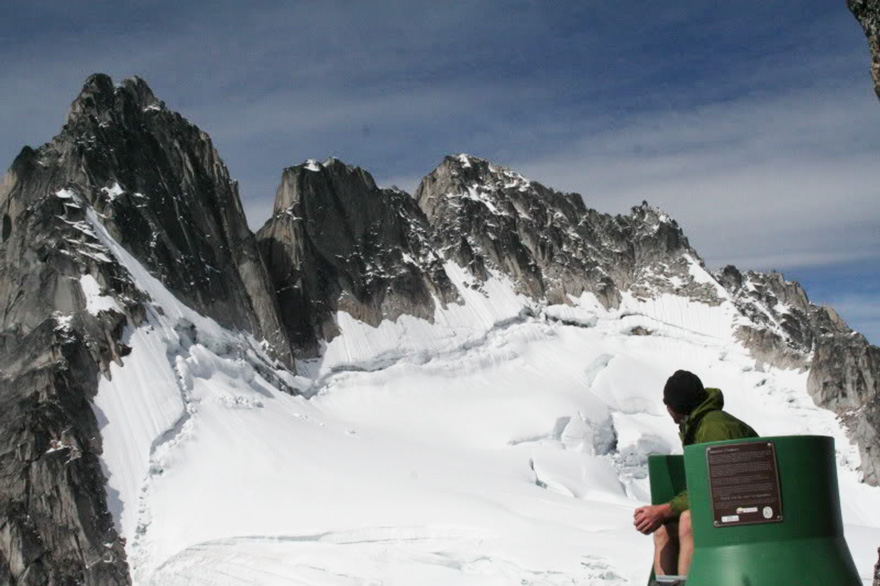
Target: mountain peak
<point x="99" y="96"/>
<point x="468" y="170"/>
<point x="138" y="89"/>
<point x="96" y="95"/>
<point x="464" y="160"/>
<point x="331" y="164"/>
<point x="312" y="176"/>
<point x="160" y="186"/>
<point x="651" y="215"/>
<point x="97" y="83"/>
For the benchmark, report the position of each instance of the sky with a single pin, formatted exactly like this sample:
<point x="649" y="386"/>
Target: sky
<point x="754" y="124"/>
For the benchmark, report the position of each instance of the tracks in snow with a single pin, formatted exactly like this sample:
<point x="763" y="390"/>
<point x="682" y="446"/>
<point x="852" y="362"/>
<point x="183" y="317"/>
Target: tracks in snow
<point x="370" y="557"/>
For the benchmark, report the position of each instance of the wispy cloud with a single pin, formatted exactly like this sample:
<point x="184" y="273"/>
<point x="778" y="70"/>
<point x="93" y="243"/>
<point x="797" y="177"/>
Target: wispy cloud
<point x="765" y="182"/>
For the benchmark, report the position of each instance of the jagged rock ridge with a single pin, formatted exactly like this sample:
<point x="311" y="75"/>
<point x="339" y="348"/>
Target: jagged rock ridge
<point x="781" y="324"/>
<point x="786" y="330"/>
<point x="491" y="220"/>
<point x="167" y="197"/>
<point x="553" y="247"/>
<point x="486" y="216"/>
<point x="336" y="242"/>
<point x="868" y="14"/>
<point x="155" y="183"/>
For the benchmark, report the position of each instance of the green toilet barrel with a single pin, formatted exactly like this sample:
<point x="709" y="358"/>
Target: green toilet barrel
<point x="800" y="545"/>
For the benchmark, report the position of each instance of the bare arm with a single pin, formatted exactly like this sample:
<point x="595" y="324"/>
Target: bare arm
<point x="648" y="519"/>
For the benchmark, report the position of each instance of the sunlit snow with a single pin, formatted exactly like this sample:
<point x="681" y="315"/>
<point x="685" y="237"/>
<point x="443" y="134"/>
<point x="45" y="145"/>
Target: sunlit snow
<point x="115" y="190"/>
<point x="96" y="301"/>
<point x="503" y="444"/>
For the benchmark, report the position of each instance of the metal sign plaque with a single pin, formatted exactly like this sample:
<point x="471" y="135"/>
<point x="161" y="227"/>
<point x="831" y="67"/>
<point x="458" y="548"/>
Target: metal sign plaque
<point x="744" y="484"/>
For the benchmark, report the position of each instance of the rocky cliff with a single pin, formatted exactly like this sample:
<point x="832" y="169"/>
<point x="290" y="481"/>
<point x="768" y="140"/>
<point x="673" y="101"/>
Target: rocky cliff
<point x="336" y="242"/>
<point x="54" y="524"/>
<point x="166" y="196"/>
<point x="550" y="244"/>
<point x="845" y="377"/>
<point x="782" y="328"/>
<point x="868" y="14"/>
<point x="125" y="165"/>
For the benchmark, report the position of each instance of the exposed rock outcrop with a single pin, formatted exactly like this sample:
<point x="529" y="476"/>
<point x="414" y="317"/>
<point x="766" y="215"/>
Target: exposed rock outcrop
<point x="782" y="328"/>
<point x="54" y="524"/>
<point x="777" y="326"/>
<point x="336" y="242"/>
<point x="488" y="217"/>
<point x="868" y="14"/>
<point x="845" y="377"/>
<point x="163" y="193"/>
<point x="125" y="164"/>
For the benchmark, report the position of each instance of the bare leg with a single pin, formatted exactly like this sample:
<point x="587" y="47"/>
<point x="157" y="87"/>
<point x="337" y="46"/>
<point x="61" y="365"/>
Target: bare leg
<point x="686" y="543"/>
<point x="666" y="549"/>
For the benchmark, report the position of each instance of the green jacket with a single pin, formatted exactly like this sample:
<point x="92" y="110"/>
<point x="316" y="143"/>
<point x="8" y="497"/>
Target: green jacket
<point x="708" y="423"/>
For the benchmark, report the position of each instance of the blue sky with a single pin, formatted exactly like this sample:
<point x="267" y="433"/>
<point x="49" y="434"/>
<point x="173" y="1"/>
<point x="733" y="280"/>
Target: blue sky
<point x="753" y="123"/>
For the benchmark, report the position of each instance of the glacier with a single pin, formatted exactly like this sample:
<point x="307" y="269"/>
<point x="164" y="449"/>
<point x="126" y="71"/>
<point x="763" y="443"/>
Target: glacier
<point x="504" y="443"/>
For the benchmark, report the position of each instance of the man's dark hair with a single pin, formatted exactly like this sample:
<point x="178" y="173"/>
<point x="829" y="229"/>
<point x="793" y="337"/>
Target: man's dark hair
<point x="683" y="392"/>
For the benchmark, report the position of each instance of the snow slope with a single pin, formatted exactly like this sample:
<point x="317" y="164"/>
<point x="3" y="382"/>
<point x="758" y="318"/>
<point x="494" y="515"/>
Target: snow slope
<point x="503" y="444"/>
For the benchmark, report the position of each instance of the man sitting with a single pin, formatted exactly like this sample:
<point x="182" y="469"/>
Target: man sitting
<point x="698" y="413"/>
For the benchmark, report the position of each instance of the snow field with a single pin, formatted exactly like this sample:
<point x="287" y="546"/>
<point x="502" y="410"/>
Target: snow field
<point x="497" y="445"/>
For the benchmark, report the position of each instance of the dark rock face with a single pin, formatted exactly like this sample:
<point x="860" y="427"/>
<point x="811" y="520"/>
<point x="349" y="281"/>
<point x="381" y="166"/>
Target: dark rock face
<point x="488" y="217"/>
<point x="163" y="193"/>
<point x="54" y="524"/>
<point x="124" y="164"/>
<point x="868" y="14"/>
<point x="780" y="331"/>
<point x="336" y="242"/>
<point x="788" y="331"/>
<point x="845" y="378"/>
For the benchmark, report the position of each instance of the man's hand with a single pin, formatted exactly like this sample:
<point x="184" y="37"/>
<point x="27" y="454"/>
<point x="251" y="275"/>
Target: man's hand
<point x="648" y="519"/>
